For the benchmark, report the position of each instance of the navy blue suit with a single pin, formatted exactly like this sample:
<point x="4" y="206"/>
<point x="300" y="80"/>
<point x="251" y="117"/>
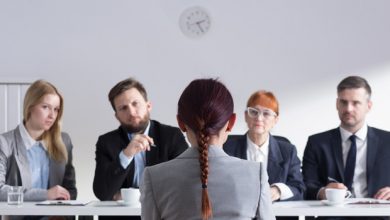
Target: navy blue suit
<point x="283" y="163"/>
<point x="323" y="158"/>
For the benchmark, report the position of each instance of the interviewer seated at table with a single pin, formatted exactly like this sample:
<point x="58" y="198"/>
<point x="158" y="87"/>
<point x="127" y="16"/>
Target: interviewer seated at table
<point x="258" y="144"/>
<point x="204" y="182"/>
<point x="36" y="154"/>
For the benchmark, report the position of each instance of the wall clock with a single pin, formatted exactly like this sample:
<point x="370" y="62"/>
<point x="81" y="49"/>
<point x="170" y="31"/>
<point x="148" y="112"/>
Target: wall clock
<point x="195" y="22"/>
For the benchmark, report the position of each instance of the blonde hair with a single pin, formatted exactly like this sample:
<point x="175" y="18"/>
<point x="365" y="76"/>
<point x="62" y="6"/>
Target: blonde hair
<point x="52" y="137"/>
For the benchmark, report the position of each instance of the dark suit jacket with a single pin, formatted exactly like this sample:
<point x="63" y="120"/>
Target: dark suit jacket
<point x="283" y="163"/>
<point x="110" y="176"/>
<point x="323" y="158"/>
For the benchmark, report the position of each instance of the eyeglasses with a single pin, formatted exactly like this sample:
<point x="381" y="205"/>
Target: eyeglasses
<point x="255" y="113"/>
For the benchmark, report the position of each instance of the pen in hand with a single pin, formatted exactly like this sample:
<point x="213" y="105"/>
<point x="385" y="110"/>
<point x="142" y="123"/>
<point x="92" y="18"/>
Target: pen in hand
<point x="332" y="180"/>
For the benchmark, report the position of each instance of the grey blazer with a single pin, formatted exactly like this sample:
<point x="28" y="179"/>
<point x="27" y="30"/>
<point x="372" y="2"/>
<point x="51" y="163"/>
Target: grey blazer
<point x="238" y="189"/>
<point x="15" y="171"/>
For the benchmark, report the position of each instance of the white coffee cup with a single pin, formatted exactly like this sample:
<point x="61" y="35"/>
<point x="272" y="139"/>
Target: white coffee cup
<point x="130" y="196"/>
<point x="337" y="195"/>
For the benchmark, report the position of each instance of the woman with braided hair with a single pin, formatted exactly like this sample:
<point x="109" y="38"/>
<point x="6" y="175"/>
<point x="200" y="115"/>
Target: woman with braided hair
<point x="204" y="182"/>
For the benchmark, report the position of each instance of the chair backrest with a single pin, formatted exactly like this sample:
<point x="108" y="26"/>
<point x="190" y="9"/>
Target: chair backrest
<point x="11" y="103"/>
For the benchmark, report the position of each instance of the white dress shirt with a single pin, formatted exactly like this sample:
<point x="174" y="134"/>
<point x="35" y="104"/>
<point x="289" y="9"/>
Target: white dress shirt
<point x="260" y="154"/>
<point x="359" y="185"/>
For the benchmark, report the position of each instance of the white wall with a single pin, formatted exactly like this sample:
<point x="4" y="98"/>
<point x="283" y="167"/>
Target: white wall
<point x="299" y="49"/>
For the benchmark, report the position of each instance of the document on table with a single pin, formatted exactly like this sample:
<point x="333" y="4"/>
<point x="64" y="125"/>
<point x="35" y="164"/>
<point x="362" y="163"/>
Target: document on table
<point x="64" y="202"/>
<point x="368" y="201"/>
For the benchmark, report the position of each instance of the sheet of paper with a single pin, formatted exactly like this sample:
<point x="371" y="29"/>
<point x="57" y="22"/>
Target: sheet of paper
<point x="64" y="202"/>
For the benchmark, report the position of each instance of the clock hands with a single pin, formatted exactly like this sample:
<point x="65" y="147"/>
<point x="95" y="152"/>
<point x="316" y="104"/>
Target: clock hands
<point x="198" y="23"/>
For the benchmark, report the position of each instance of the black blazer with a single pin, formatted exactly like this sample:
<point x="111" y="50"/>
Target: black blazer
<point x="323" y="158"/>
<point x="110" y="176"/>
<point x="283" y="163"/>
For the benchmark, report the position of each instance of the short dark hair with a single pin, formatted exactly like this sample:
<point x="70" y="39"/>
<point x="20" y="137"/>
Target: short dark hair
<point x="354" y="82"/>
<point x="125" y="85"/>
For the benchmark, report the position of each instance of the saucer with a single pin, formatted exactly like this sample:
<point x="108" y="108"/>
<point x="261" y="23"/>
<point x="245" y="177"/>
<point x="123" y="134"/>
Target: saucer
<point x="123" y="203"/>
<point x="327" y="202"/>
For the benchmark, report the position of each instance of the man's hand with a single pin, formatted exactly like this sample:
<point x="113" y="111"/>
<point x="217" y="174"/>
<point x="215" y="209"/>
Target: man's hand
<point x="321" y="193"/>
<point x="58" y="192"/>
<point x="275" y="193"/>
<point x="117" y="196"/>
<point x="383" y="193"/>
<point x="138" y="143"/>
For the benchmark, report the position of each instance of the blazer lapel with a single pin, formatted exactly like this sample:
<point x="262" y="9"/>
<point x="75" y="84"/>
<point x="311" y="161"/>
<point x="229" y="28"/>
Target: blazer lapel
<point x="275" y="159"/>
<point x="56" y="172"/>
<point x="337" y="152"/>
<point x="22" y="160"/>
<point x="372" y="149"/>
<point x="152" y="155"/>
<point x="242" y="147"/>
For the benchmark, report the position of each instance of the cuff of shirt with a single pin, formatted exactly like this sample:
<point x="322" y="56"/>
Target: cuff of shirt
<point x="124" y="160"/>
<point x="285" y="191"/>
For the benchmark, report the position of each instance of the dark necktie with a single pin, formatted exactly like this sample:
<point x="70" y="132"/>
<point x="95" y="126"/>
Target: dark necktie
<point x="350" y="164"/>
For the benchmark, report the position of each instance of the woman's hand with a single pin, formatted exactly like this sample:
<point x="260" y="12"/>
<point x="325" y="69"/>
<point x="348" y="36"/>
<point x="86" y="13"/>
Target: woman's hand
<point x="58" y="192"/>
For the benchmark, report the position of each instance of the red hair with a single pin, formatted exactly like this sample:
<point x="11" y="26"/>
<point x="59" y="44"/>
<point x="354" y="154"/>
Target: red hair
<point x="264" y="98"/>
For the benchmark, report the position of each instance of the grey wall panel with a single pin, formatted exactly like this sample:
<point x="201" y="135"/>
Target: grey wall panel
<point x="11" y="104"/>
<point x="3" y="108"/>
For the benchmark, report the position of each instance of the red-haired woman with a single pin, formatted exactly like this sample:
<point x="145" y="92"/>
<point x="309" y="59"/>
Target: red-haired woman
<point x="276" y="153"/>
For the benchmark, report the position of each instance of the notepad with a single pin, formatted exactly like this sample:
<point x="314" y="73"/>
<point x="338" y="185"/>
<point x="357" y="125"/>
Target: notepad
<point x="64" y="202"/>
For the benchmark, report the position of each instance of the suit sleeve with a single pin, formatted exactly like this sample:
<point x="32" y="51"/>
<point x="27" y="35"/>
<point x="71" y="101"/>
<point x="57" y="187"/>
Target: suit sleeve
<point x="69" y="181"/>
<point x="265" y="211"/>
<point x="109" y="173"/>
<point x="294" y="177"/>
<point x="311" y="171"/>
<point x="149" y="210"/>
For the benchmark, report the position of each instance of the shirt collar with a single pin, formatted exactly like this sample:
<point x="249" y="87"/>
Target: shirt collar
<point x="28" y="141"/>
<point x="361" y="134"/>
<point x="252" y="147"/>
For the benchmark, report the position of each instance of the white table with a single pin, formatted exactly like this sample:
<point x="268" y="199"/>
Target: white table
<point x="317" y="208"/>
<point x="293" y="208"/>
<point x="93" y="208"/>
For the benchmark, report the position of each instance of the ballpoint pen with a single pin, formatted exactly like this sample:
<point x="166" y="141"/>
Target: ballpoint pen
<point x="332" y="180"/>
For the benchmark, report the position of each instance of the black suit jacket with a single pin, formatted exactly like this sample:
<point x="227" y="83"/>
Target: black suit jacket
<point x="283" y="164"/>
<point x="323" y="158"/>
<point x="110" y="176"/>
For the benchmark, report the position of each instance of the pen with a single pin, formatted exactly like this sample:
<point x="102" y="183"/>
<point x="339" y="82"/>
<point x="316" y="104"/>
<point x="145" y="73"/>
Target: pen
<point x="330" y="179"/>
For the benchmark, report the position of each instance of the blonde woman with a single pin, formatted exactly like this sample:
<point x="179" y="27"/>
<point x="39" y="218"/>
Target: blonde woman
<point x="36" y="154"/>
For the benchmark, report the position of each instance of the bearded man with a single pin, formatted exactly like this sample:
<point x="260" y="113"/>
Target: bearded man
<point x="122" y="154"/>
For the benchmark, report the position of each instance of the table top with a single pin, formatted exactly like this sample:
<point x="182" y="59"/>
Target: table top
<point x="92" y="208"/>
<point x="289" y="208"/>
<point x="319" y="208"/>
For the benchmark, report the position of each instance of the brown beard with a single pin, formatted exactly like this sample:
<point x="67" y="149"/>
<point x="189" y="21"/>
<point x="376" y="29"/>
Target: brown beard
<point x="137" y="128"/>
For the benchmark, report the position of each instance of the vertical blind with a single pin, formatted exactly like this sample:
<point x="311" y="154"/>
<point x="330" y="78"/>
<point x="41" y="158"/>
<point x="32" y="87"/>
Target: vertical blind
<point x="11" y="104"/>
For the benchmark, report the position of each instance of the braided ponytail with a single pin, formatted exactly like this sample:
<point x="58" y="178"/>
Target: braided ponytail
<point x="204" y="172"/>
<point x="205" y="106"/>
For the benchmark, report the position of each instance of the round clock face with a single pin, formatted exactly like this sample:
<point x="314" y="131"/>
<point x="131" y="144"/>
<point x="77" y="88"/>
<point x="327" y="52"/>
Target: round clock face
<point x="195" y="22"/>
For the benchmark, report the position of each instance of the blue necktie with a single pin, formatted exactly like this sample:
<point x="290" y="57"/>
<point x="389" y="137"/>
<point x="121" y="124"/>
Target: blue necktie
<point x="350" y="164"/>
